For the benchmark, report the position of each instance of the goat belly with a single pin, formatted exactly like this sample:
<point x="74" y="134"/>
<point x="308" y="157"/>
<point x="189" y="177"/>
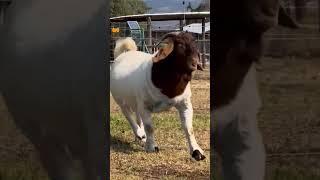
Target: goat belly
<point x="158" y="106"/>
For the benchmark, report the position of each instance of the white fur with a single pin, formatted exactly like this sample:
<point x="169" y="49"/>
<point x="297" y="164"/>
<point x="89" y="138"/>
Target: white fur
<point x="123" y="45"/>
<point x="247" y="100"/>
<point x="242" y="112"/>
<point x="133" y="90"/>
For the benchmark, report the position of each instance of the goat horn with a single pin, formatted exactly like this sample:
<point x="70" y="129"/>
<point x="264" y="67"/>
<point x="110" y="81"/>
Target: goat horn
<point x="167" y="35"/>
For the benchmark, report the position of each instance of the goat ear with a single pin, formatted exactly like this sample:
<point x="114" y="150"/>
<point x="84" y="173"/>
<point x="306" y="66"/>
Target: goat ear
<point x="165" y="48"/>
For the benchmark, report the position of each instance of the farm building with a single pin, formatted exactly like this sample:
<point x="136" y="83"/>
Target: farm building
<point x="140" y="28"/>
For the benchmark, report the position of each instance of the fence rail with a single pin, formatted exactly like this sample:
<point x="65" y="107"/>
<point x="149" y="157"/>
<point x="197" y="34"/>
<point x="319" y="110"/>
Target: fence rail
<point x="148" y="44"/>
<point x="296" y="42"/>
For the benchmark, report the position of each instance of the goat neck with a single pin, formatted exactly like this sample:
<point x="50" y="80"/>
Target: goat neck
<point x="169" y="78"/>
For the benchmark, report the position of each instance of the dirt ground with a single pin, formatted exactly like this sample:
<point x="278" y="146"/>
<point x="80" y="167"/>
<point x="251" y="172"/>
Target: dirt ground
<point x="290" y="115"/>
<point x="128" y="159"/>
<point x="289" y="120"/>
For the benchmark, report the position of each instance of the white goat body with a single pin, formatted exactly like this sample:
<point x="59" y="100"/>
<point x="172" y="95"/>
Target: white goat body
<point x="131" y="82"/>
<point x="132" y="88"/>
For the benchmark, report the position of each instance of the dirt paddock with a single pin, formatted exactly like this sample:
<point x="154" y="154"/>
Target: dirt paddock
<point x="289" y="120"/>
<point x="128" y="159"/>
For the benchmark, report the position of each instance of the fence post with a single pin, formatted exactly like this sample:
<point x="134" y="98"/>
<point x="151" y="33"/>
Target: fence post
<point x="181" y="25"/>
<point x="149" y="29"/>
<point x="3" y="5"/>
<point x="319" y="14"/>
<point x="203" y="42"/>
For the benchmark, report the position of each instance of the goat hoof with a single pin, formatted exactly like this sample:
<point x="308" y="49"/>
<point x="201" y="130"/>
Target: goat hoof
<point x="197" y="155"/>
<point x="142" y="138"/>
<point x="141" y="134"/>
<point x="156" y="149"/>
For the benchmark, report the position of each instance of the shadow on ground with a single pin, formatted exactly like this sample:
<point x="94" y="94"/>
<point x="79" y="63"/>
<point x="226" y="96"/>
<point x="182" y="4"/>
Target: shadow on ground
<point x="121" y="145"/>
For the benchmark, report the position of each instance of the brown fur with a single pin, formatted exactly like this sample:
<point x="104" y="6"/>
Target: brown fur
<point x="232" y="60"/>
<point x="172" y="73"/>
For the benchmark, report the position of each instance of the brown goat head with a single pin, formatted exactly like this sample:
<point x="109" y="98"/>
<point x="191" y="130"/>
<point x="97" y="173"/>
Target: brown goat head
<point x="181" y="48"/>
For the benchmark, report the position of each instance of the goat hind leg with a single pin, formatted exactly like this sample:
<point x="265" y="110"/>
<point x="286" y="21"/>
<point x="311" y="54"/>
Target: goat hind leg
<point x="127" y="112"/>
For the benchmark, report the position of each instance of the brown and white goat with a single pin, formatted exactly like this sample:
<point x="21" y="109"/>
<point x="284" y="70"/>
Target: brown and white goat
<point x="143" y="83"/>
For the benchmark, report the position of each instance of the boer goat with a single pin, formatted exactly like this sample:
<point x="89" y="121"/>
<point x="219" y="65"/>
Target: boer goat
<point x="235" y="101"/>
<point x="143" y="83"/>
<point x="52" y="77"/>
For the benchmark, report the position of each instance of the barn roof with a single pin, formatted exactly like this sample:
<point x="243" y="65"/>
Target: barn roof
<point x="162" y="16"/>
<point x="196" y="27"/>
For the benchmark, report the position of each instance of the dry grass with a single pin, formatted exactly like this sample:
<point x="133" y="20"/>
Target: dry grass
<point x="18" y="158"/>
<point x="290" y="116"/>
<point x="128" y="159"/>
<point x="289" y="120"/>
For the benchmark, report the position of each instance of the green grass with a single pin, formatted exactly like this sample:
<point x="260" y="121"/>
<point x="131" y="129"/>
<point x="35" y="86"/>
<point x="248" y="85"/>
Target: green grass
<point x="128" y="158"/>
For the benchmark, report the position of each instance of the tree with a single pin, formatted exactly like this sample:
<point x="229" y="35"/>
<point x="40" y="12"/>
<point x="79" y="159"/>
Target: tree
<point x="128" y="7"/>
<point x="203" y="6"/>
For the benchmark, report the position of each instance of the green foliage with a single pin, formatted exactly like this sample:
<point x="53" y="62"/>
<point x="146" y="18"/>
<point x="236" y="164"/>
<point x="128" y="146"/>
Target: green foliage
<point x="128" y="7"/>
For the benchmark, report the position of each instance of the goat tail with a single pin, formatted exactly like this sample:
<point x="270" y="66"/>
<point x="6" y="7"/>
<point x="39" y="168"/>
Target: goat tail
<point x="124" y="45"/>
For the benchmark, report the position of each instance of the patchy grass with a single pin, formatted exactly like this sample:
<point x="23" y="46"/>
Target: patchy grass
<point x="130" y="161"/>
<point x="292" y="174"/>
<point x="18" y="158"/>
<point x="289" y="120"/>
<point x="22" y="171"/>
<point x="290" y="117"/>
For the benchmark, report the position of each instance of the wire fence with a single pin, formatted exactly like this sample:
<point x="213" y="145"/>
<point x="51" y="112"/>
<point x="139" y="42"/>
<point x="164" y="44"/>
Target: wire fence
<point x="148" y="42"/>
<point x="304" y="41"/>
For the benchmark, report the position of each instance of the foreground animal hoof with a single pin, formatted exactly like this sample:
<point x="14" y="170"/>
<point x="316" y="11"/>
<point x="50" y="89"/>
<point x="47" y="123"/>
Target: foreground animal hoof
<point x="197" y="155"/>
<point x="156" y="149"/>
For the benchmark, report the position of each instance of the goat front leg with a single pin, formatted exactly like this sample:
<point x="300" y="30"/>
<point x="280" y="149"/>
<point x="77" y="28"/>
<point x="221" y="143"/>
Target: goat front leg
<point x="186" y="114"/>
